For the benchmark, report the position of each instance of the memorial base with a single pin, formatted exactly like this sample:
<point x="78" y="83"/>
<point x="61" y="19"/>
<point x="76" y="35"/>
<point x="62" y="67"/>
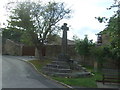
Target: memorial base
<point x="63" y="66"/>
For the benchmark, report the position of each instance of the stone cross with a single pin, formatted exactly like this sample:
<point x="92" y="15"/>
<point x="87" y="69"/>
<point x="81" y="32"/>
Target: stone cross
<point x="64" y="38"/>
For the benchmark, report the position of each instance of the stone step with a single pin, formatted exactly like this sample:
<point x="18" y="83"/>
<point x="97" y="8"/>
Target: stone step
<point x="75" y="75"/>
<point x="62" y="69"/>
<point x="60" y="62"/>
<point x="80" y="67"/>
<point x="57" y="70"/>
<point x="57" y="66"/>
<point x="57" y="74"/>
<point x="80" y="74"/>
<point x="62" y="74"/>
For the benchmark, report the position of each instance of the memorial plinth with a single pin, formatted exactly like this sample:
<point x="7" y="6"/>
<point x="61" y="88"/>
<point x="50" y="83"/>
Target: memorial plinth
<point x="62" y="65"/>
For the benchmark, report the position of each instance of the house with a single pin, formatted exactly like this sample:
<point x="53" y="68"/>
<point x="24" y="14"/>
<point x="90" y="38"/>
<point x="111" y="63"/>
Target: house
<point x="103" y="38"/>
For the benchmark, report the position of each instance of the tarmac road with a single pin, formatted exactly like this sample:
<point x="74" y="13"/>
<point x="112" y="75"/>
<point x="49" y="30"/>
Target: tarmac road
<point x="19" y="74"/>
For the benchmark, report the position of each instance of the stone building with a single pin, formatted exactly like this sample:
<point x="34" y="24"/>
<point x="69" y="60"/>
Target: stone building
<point x="106" y="40"/>
<point x="103" y="38"/>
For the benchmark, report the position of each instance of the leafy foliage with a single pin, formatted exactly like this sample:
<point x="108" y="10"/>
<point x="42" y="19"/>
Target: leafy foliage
<point x="13" y="34"/>
<point x="113" y="28"/>
<point x="83" y="46"/>
<point x="35" y="21"/>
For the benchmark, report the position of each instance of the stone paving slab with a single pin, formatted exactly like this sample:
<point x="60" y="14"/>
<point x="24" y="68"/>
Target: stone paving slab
<point x="101" y="85"/>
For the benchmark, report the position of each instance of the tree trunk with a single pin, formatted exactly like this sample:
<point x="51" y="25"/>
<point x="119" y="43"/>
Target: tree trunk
<point x="39" y="52"/>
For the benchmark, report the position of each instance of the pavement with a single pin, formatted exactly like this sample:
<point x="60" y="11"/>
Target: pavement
<point x="99" y="84"/>
<point x="25" y="58"/>
<point x="107" y="85"/>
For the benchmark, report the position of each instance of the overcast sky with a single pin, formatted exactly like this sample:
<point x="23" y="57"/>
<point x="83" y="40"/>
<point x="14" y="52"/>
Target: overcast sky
<point x="83" y="19"/>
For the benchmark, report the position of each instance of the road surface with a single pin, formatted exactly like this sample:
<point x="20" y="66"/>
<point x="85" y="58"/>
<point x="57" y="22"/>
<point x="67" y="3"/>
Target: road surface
<point x="19" y="74"/>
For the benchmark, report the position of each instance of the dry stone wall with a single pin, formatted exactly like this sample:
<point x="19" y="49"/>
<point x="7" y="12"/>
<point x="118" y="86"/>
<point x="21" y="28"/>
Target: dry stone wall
<point x="11" y="48"/>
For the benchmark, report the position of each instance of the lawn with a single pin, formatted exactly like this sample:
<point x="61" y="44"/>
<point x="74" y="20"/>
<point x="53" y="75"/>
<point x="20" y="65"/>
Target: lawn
<point x="89" y="82"/>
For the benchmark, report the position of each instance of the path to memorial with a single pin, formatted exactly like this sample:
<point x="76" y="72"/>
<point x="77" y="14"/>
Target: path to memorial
<point x="18" y="74"/>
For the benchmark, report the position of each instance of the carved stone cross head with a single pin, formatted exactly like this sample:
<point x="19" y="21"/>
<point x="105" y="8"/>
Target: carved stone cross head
<point x="64" y="27"/>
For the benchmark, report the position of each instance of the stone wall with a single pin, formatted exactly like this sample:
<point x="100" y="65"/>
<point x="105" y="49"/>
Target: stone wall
<point x="11" y="48"/>
<point x="54" y="50"/>
<point x="51" y="51"/>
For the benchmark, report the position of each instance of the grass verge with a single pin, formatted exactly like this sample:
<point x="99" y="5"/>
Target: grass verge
<point x="89" y="82"/>
<point x="39" y="63"/>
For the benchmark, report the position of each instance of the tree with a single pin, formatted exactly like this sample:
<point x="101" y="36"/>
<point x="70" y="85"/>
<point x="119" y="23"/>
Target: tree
<point x="37" y="21"/>
<point x="113" y="28"/>
<point x="13" y="34"/>
<point x="83" y="46"/>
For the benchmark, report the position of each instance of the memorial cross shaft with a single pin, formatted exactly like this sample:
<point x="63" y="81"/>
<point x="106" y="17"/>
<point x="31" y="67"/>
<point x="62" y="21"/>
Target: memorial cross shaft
<point x="64" y="38"/>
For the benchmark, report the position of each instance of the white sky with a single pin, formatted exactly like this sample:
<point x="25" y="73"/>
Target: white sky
<point x="83" y="17"/>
